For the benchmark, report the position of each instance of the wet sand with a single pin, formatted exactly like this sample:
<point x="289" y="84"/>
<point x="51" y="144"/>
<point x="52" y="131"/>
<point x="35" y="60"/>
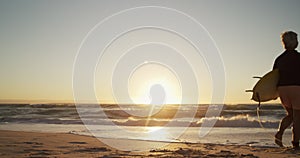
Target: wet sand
<point x="34" y="144"/>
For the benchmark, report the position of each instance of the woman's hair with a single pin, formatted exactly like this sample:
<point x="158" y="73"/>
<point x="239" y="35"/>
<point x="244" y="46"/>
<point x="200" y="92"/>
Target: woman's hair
<point x="289" y="40"/>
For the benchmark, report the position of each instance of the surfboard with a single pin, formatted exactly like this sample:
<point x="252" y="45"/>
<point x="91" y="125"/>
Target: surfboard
<point x="266" y="88"/>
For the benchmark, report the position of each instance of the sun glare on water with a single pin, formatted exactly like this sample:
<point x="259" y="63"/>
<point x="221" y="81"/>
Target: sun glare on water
<point x="157" y="133"/>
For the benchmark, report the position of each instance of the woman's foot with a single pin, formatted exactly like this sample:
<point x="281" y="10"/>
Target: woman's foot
<point x="295" y="145"/>
<point x="278" y="139"/>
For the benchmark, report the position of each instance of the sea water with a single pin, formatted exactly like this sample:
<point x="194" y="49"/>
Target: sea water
<point x="236" y="124"/>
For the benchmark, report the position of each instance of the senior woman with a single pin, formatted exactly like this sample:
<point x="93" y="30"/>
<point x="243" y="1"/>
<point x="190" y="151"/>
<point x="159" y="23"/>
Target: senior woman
<point x="288" y="64"/>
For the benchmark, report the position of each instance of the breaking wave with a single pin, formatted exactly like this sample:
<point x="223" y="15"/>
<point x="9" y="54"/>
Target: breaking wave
<point x="232" y="115"/>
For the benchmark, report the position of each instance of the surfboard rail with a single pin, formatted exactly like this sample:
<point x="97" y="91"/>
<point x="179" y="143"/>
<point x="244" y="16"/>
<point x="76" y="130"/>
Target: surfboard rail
<point x="266" y="87"/>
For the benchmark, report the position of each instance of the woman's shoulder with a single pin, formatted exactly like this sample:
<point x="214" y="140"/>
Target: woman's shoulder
<point x="295" y="53"/>
<point x="282" y="55"/>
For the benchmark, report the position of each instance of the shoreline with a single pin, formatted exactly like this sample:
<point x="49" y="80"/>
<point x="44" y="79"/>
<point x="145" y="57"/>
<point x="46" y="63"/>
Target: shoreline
<point x="260" y="137"/>
<point x="41" y="144"/>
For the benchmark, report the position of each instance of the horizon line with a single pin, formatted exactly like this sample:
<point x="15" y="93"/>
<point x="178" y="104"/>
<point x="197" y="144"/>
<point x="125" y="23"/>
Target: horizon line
<point x="49" y="101"/>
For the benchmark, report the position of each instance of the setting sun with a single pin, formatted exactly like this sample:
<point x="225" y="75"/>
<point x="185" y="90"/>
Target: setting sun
<point x="153" y="83"/>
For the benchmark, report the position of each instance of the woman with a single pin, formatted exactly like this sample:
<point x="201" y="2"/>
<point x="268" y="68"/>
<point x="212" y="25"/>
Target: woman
<point x="288" y="64"/>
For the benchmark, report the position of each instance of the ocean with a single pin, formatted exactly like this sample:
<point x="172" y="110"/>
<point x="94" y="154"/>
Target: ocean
<point x="236" y="124"/>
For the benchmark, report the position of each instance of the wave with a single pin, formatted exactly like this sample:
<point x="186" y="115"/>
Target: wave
<point x="235" y="121"/>
<point x="239" y="121"/>
<point x="232" y="115"/>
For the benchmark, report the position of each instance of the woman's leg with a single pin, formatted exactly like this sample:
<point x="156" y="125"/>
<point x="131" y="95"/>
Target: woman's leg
<point x="284" y="124"/>
<point x="295" y="100"/>
<point x="287" y="120"/>
<point x="296" y="128"/>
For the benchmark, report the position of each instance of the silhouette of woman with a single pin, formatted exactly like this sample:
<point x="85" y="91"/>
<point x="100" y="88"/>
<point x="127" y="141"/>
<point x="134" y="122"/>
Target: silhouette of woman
<point x="288" y="64"/>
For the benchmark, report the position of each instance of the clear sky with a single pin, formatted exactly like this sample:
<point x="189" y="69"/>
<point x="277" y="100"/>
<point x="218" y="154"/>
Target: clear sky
<point x="40" y="39"/>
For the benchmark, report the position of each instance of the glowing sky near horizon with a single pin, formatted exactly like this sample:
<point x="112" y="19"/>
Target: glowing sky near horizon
<point x="39" y="41"/>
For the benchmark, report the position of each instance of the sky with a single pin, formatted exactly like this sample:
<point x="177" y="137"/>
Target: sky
<point x="40" y="42"/>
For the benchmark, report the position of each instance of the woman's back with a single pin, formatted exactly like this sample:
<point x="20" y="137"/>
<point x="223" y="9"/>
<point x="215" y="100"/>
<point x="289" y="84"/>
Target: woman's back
<point x="288" y="64"/>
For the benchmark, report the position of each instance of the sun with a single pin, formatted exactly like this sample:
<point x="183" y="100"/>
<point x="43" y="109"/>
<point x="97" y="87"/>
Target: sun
<point x="154" y="83"/>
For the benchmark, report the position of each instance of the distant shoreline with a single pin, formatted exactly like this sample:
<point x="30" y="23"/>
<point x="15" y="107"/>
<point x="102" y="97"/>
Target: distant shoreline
<point x="42" y="101"/>
<point x="71" y="103"/>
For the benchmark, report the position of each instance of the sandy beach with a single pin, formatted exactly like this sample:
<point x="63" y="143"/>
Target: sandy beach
<point x="34" y="144"/>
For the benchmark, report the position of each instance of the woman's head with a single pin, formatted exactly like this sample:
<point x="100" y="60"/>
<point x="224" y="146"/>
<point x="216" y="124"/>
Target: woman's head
<point x="289" y="40"/>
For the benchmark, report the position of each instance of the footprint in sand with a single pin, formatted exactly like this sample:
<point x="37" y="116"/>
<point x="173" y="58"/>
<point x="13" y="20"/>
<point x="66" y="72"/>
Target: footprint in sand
<point x="101" y="149"/>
